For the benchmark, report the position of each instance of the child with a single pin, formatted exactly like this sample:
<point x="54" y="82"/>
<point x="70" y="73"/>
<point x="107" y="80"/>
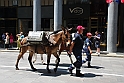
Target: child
<point x="87" y="49"/>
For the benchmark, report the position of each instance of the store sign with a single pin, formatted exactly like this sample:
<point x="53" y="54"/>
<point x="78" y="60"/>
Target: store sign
<point x="76" y="10"/>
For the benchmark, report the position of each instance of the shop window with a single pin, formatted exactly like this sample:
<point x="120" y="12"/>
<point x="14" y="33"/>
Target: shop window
<point x="46" y="2"/>
<point x="23" y="3"/>
<point x="51" y="2"/>
<point x="28" y="2"/>
<point x="19" y="3"/>
<point x="70" y="1"/>
<point x="15" y="2"/>
<point x="65" y="1"/>
<point x="10" y="2"/>
<point x="1" y="2"/>
<point x="42" y="2"/>
<point x="6" y="2"/>
<point x="31" y="2"/>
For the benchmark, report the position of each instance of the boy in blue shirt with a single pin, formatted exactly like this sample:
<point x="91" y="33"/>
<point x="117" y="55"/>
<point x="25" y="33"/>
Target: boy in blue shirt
<point x="87" y="50"/>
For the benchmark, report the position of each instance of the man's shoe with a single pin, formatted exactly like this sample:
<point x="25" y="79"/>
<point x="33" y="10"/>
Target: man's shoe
<point x="70" y="69"/>
<point x="89" y="66"/>
<point x="78" y="74"/>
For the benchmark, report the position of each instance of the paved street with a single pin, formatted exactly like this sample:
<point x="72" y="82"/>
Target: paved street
<point x="105" y="70"/>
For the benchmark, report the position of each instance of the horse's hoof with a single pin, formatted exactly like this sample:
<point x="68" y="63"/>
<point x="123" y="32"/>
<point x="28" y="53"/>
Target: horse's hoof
<point x="34" y="69"/>
<point x="44" y="63"/>
<point x="17" y="68"/>
<point x="33" y="61"/>
<point x="55" y="69"/>
<point x="49" y="71"/>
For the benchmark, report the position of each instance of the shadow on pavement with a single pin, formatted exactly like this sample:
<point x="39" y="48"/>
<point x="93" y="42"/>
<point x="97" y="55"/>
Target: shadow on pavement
<point x="95" y="67"/>
<point x="89" y="75"/>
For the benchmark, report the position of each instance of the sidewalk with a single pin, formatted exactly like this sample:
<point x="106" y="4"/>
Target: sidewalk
<point x="119" y="54"/>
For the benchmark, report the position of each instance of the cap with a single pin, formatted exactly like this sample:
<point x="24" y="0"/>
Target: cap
<point x="89" y="34"/>
<point x="80" y="27"/>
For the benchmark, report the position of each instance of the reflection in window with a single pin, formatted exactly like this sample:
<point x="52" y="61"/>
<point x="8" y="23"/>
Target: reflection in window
<point x="6" y="2"/>
<point x="19" y="3"/>
<point x="28" y="2"/>
<point x="2" y="2"/>
<point x="42" y="2"/>
<point x="23" y="3"/>
<point x="65" y="1"/>
<point x="70" y="1"/>
<point x="10" y="2"/>
<point x="51" y="2"/>
<point x="46" y="2"/>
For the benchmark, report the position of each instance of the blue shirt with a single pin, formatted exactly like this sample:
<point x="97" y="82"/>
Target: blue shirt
<point x="88" y="42"/>
<point x="78" y="40"/>
<point x="98" y="36"/>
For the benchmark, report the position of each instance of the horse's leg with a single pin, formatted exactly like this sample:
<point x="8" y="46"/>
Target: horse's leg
<point x="58" y="55"/>
<point x="48" y="62"/>
<point x="19" y="57"/>
<point x="42" y="61"/>
<point x="30" y="60"/>
<point x="35" y="57"/>
<point x="58" y="60"/>
<point x="21" y="53"/>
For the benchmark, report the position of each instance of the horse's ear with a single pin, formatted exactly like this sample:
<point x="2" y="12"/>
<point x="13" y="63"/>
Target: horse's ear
<point x="62" y="27"/>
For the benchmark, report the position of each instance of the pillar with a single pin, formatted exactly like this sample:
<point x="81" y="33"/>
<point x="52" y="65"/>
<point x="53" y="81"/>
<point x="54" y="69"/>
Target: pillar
<point x="36" y="15"/>
<point x="57" y="14"/>
<point x="112" y="27"/>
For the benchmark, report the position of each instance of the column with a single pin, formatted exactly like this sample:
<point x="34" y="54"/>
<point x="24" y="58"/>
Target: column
<point x="112" y="27"/>
<point x="57" y="14"/>
<point x="36" y="15"/>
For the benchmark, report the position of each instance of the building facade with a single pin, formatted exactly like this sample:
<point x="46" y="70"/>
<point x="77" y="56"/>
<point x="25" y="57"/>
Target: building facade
<point x="17" y="15"/>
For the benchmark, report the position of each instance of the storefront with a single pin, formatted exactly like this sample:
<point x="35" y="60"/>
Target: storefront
<point x="16" y="16"/>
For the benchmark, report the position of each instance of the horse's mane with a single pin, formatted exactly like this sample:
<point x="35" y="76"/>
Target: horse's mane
<point x="55" y="32"/>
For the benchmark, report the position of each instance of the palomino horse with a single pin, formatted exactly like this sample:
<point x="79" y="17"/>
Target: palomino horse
<point x="58" y="37"/>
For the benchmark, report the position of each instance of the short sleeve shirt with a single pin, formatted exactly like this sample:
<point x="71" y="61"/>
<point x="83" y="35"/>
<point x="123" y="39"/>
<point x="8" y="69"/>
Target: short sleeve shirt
<point x="88" y="42"/>
<point x="98" y="36"/>
<point x="78" y="40"/>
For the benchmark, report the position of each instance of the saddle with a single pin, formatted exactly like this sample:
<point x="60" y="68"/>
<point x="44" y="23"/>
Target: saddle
<point x="38" y="37"/>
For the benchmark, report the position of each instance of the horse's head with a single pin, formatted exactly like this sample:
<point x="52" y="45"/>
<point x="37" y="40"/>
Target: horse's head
<point x="67" y="33"/>
<point x="59" y="36"/>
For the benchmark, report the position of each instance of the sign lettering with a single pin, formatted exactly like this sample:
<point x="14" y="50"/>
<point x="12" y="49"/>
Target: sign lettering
<point x="76" y="10"/>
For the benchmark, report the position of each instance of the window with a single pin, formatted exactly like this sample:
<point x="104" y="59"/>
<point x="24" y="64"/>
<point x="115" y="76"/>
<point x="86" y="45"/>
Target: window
<point x="70" y="1"/>
<point x="28" y="2"/>
<point x="51" y="2"/>
<point x="42" y="2"/>
<point x="23" y="3"/>
<point x="46" y="2"/>
<point x="6" y="2"/>
<point x="65" y="1"/>
<point x="10" y="2"/>
<point x="19" y="2"/>
<point x="15" y="2"/>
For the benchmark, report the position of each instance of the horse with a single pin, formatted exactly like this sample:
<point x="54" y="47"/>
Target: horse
<point x="65" y="45"/>
<point x="58" y="37"/>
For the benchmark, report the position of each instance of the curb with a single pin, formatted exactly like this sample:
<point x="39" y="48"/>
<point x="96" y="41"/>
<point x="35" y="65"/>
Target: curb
<point x="103" y="54"/>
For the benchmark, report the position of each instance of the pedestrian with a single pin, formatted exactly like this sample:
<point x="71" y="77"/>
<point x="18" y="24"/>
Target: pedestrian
<point x="3" y="39"/>
<point x="20" y="37"/>
<point x="76" y="47"/>
<point x="11" y="40"/>
<point x="87" y="50"/>
<point x="7" y="41"/>
<point x="97" y="38"/>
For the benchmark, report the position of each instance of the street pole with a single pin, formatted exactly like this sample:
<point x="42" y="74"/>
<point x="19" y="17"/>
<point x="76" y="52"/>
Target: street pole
<point x="36" y="15"/>
<point x="57" y="14"/>
<point x="112" y="27"/>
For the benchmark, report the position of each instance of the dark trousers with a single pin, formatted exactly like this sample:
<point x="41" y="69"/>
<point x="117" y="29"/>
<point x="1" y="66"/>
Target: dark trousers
<point x="78" y="56"/>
